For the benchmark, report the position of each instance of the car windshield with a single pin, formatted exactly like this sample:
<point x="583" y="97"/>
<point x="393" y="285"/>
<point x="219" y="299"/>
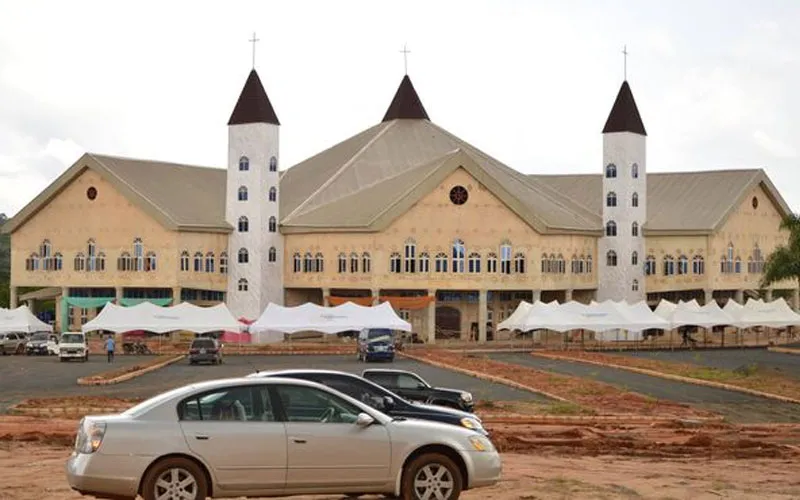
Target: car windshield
<point x="40" y="336"/>
<point x="202" y="344"/>
<point x="72" y="338"/>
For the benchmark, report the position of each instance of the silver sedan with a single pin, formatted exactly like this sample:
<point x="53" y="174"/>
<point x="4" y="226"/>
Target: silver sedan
<point x="272" y="437"/>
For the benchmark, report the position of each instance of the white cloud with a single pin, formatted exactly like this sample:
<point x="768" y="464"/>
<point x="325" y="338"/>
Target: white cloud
<point x="774" y="146"/>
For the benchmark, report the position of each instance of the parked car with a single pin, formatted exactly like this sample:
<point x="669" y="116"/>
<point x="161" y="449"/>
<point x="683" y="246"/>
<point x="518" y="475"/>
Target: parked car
<point x="73" y="345"/>
<point x="205" y="350"/>
<point x="42" y="343"/>
<point x="380" y="398"/>
<point x="272" y="436"/>
<point x="376" y="344"/>
<point x="12" y="343"/>
<point x="412" y="386"/>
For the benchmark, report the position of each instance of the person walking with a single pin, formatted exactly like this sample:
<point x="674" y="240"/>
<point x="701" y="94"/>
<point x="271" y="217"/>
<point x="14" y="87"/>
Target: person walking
<point x="110" y="348"/>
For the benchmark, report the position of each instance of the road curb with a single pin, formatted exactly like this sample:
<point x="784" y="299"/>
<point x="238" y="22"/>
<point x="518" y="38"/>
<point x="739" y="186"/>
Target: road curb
<point x="485" y="376"/>
<point x="61" y="411"/>
<point x="596" y="419"/>
<point x="91" y="380"/>
<point x="784" y="350"/>
<point x="668" y="376"/>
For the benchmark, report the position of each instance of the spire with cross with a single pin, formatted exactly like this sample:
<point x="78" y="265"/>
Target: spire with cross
<point x="625" y="62"/>
<point x="253" y="41"/>
<point x="405" y="53"/>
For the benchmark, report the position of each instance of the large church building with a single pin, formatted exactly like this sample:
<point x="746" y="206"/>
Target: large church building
<point x="403" y="212"/>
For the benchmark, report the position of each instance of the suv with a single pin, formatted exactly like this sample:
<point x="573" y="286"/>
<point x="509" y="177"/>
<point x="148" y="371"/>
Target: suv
<point x="12" y="343"/>
<point x="375" y="343"/>
<point x="73" y="345"/>
<point x="412" y="386"/>
<point x="379" y="398"/>
<point x="205" y="349"/>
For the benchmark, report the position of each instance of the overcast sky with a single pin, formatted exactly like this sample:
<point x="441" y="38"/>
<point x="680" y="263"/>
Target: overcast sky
<point x="529" y="82"/>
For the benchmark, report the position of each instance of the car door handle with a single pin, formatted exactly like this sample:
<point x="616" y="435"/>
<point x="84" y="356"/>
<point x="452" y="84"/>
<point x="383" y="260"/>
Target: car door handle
<point x="298" y="440"/>
<point x="201" y="437"/>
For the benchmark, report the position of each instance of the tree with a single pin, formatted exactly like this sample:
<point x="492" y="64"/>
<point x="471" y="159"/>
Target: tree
<point x="784" y="262"/>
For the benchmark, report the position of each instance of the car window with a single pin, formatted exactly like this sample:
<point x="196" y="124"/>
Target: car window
<point x="357" y="389"/>
<point x="405" y="381"/>
<point x="230" y="403"/>
<point x="72" y="338"/>
<point x="203" y="344"/>
<point x="383" y="379"/>
<point x="309" y="404"/>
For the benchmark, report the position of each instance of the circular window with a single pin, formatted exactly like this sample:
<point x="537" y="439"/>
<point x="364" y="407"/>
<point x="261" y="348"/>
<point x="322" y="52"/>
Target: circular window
<point x="755" y="202"/>
<point x="459" y="195"/>
<point x="91" y="193"/>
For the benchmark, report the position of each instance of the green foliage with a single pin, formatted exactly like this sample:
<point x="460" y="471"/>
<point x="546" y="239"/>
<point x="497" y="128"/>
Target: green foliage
<point x="5" y="264"/>
<point x="784" y="262"/>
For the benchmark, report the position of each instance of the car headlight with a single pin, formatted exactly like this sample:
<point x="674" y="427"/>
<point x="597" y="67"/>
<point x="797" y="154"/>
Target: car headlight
<point x="480" y="443"/>
<point x="466" y="397"/>
<point x="471" y="423"/>
<point x="28" y="345"/>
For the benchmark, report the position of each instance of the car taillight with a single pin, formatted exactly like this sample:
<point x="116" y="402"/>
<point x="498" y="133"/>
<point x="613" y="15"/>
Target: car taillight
<point x="193" y="351"/>
<point x="90" y="436"/>
<point x="212" y="351"/>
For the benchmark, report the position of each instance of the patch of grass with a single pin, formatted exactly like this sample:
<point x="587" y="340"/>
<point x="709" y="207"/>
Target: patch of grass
<point x="566" y="408"/>
<point x="718" y="485"/>
<point x="717" y="375"/>
<point x="625" y="491"/>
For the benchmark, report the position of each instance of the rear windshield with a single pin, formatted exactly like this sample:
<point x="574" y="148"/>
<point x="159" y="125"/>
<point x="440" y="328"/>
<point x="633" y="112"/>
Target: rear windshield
<point x="40" y="336"/>
<point x="379" y="334"/>
<point x="203" y="343"/>
<point x="72" y="338"/>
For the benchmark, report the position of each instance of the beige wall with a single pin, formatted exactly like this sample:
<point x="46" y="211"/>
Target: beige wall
<point x="483" y="223"/>
<point x="71" y="219"/>
<point x="202" y="242"/>
<point x="661" y="246"/>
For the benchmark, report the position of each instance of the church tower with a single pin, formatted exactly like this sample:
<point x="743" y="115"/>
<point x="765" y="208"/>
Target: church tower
<point x="255" y="247"/>
<point x="621" y="250"/>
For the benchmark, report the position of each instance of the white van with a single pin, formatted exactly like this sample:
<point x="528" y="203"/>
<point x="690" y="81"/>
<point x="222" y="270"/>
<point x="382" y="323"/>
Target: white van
<point x="73" y="345"/>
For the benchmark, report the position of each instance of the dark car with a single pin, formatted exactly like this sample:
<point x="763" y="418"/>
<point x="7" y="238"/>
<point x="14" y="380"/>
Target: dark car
<point x="412" y="386"/>
<point x="376" y="344"/>
<point x="205" y="350"/>
<point x="380" y="398"/>
<point x="42" y="343"/>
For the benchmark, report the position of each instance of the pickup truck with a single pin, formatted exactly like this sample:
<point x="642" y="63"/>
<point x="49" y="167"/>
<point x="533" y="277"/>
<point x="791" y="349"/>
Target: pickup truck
<point x="413" y="387"/>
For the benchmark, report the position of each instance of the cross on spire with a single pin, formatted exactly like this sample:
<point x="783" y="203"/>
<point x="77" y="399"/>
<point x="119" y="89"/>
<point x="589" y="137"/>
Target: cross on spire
<point x="625" y="62"/>
<point x="405" y="53"/>
<point x="253" y="41"/>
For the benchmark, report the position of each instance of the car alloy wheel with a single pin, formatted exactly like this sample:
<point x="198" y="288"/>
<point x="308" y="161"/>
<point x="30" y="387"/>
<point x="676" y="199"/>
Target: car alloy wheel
<point x="175" y="478"/>
<point x="432" y="476"/>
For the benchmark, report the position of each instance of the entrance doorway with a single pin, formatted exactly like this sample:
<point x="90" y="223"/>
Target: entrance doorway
<point x="448" y="323"/>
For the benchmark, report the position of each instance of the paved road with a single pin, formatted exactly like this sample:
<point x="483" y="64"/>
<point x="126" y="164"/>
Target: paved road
<point x="736" y="406"/>
<point x="24" y="377"/>
<point x="729" y="359"/>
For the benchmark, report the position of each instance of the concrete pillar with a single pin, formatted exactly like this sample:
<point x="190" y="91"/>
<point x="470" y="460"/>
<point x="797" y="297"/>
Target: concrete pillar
<point x="708" y="296"/>
<point x="768" y="295"/>
<point x="536" y="296"/>
<point x="31" y="305"/>
<point x="176" y="295"/>
<point x="326" y="297"/>
<point x="12" y="297"/>
<point x="118" y="294"/>
<point x="67" y="315"/>
<point x="739" y="297"/>
<point x="567" y="294"/>
<point x="431" y="322"/>
<point x="796" y="299"/>
<point x="376" y="294"/>
<point x="482" y="316"/>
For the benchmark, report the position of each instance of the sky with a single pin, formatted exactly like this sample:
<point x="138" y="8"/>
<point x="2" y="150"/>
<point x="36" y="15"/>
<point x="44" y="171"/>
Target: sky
<point x="529" y="82"/>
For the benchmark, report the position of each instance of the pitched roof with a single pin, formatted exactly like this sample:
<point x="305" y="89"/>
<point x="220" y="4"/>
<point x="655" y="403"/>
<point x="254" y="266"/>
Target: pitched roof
<point x="253" y="105"/>
<point x="406" y="103"/>
<point x="180" y="197"/>
<point x="677" y="202"/>
<point x="624" y="116"/>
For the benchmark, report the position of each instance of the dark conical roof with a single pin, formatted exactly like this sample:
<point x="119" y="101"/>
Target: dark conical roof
<point x="624" y="116"/>
<point x="406" y="103"/>
<point x="253" y="105"/>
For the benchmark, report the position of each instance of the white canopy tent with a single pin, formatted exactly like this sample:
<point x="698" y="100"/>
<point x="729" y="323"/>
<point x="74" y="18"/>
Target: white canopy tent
<point x="313" y="317"/>
<point x="21" y="319"/>
<point x="756" y="312"/>
<point x="152" y="318"/>
<point x="692" y="314"/>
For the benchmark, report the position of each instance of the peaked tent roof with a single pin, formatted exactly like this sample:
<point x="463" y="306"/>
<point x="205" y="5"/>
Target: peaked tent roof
<point x="624" y="116"/>
<point x="253" y="105"/>
<point x="406" y="103"/>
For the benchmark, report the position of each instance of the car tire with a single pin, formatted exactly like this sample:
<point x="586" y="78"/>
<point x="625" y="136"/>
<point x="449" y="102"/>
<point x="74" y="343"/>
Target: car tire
<point x="182" y="469"/>
<point x="423" y="467"/>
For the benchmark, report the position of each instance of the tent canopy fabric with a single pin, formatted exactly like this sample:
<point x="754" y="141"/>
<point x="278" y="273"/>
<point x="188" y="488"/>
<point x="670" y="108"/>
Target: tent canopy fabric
<point x="597" y="317"/>
<point x="313" y="317"/>
<point x="693" y="314"/>
<point x="152" y="318"/>
<point x="21" y="319"/>
<point x="756" y="312"/>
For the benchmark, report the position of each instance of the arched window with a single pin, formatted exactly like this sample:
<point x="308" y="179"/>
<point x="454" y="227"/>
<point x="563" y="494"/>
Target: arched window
<point x="342" y="262"/>
<point x="242" y="193"/>
<point x="273" y="164"/>
<point x="635" y="229"/>
<point x="698" y="265"/>
<point x="635" y="200"/>
<point x="683" y="264"/>
<point x="575" y="264"/>
<point x="198" y="262"/>
<point x="184" y="261"/>
<point x="611" y="171"/>
<point x="635" y="285"/>
<point x="440" y="264"/>
<point x="611" y="228"/>
<point x="273" y="224"/>
<point x="424" y="262"/>
<point x="395" y="263"/>
<point x="273" y="194"/>
<point x="308" y="262"/>
<point x="669" y="265"/>
<point x="491" y="262"/>
<point x="737" y="265"/>
<point x="32" y="262"/>
<point x="589" y="264"/>
<point x="366" y="263"/>
<point x="319" y="263"/>
<point x="519" y="263"/>
<point x="210" y="262"/>
<point x="243" y="285"/>
<point x="244" y="164"/>
<point x="474" y="262"/>
<point x="297" y="262"/>
<point x="650" y="265"/>
<point x="91" y="255"/>
<point x="635" y="171"/>
<point x="611" y="199"/>
<point x="244" y="224"/>
<point x="150" y="261"/>
<point x="353" y="262"/>
<point x="635" y="258"/>
<point x="561" y="264"/>
<point x="223" y="263"/>
<point x="138" y="254"/>
<point x="757" y="265"/>
<point x="458" y="256"/>
<point x="505" y="258"/>
<point x="124" y="262"/>
<point x="79" y="264"/>
<point x="410" y="257"/>
<point x="58" y="262"/>
<point x="611" y="258"/>
<point x="545" y="264"/>
<point x="244" y="256"/>
<point x="101" y="261"/>
<point x="727" y="261"/>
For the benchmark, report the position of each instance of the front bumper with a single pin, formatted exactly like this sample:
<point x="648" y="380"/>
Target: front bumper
<point x="106" y="476"/>
<point x="39" y="349"/>
<point x="199" y="358"/>
<point x="72" y="354"/>
<point x="485" y="468"/>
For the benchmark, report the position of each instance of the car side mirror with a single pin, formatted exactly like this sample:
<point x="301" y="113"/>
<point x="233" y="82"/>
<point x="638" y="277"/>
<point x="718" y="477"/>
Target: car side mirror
<point x="364" y="420"/>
